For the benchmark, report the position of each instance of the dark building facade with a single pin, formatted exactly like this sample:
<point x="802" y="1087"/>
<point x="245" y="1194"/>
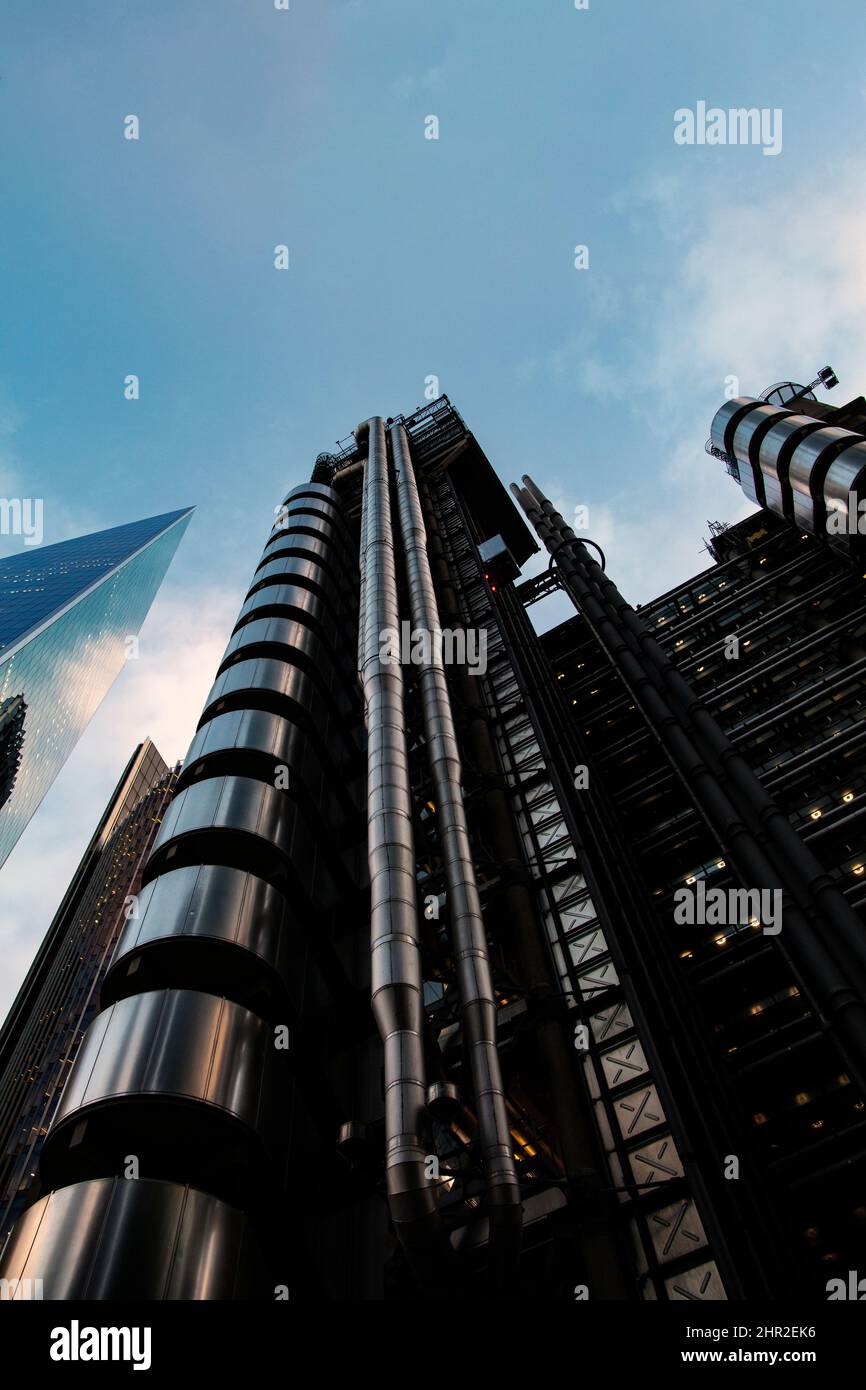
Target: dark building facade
<point x="408" y="1011"/>
<point x="59" y="998"/>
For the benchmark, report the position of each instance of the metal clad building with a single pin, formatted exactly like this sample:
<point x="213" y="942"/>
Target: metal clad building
<point x="407" y="1012"/>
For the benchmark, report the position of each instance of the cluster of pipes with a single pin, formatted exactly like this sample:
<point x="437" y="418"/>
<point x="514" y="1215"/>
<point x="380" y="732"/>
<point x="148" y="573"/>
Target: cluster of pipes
<point x="396" y="968"/>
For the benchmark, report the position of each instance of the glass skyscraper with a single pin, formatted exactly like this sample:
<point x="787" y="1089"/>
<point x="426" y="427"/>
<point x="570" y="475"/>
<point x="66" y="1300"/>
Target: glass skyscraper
<point x="67" y="612"/>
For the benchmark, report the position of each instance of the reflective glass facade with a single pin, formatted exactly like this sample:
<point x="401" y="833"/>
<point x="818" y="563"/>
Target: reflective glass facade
<point x="62" y="667"/>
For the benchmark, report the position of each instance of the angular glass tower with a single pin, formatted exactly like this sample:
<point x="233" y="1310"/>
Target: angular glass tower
<point x="66" y="612"/>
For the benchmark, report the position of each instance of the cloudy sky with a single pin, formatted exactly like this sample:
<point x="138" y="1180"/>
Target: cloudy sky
<point x="409" y="258"/>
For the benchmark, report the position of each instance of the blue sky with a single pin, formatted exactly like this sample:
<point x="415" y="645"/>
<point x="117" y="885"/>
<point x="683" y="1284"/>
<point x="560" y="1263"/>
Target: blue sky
<point x="409" y="258"/>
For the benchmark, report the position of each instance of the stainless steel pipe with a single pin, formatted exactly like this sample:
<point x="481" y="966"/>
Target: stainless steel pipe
<point x="474" y="975"/>
<point x="396" y="979"/>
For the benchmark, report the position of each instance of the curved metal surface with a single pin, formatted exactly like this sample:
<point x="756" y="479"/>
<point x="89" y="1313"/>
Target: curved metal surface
<point x="297" y="511"/>
<point x="110" y="1238"/>
<point x="292" y="634"/>
<point x="726" y="419"/>
<point x="290" y="596"/>
<point x="748" y="434"/>
<point x="278" y="571"/>
<point x="341" y="572"/>
<point x="275" y="739"/>
<point x="275" y="726"/>
<point x="469" y="939"/>
<point x="774" y="457"/>
<point x="807" y="470"/>
<point x="306" y="521"/>
<point x="844" y="490"/>
<point x="206" y="901"/>
<point x="277" y="588"/>
<point x="310" y="611"/>
<point x="237" y="804"/>
<point x="268" y="673"/>
<point x="299" y="570"/>
<point x="319" y="506"/>
<point x="312" y="546"/>
<point x="171" y="1043"/>
<point x="316" y="527"/>
<point x="396" y="987"/>
<point x="286" y="596"/>
<point x="313" y="490"/>
<point x="291" y="639"/>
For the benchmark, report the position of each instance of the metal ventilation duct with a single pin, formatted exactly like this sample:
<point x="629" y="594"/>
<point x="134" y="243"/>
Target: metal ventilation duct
<point x="474" y="975"/>
<point x="396" y="983"/>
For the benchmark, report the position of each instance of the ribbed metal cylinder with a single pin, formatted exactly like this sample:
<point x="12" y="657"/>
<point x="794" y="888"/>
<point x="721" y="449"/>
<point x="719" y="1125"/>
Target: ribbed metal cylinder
<point x="146" y="1240"/>
<point x="803" y="468"/>
<point x="180" y="1070"/>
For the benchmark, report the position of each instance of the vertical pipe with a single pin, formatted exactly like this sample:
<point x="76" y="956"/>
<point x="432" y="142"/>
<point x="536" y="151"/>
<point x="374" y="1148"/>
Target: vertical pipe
<point x="396" y="984"/>
<point x="474" y="975"/>
<point x="602" y="1263"/>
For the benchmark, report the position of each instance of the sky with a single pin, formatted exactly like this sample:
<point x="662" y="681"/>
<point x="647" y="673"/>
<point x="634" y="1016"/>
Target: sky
<point x="409" y="258"/>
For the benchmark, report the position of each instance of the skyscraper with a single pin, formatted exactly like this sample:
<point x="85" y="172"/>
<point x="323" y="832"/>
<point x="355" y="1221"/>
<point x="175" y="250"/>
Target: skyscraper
<point x="40" y="1037"/>
<point x="415" y="1007"/>
<point x="67" y="615"/>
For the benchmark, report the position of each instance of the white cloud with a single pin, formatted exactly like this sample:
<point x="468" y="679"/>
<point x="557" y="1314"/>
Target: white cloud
<point x="767" y="288"/>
